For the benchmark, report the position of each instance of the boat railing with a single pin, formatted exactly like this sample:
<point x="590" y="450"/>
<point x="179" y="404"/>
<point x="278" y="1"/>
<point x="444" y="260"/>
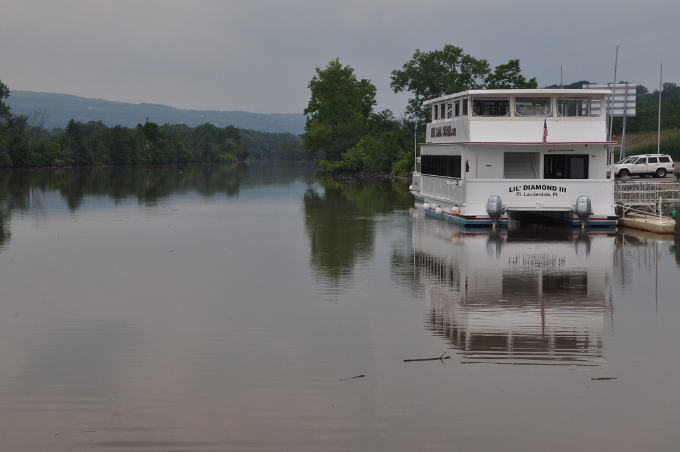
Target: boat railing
<point x="442" y="188"/>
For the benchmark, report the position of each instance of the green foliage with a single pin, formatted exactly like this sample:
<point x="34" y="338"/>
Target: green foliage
<point x="5" y="161"/>
<point x="433" y="74"/>
<point x="17" y="141"/>
<point x="670" y="144"/>
<point x="429" y="75"/>
<point x="24" y="143"/>
<point x="4" y="94"/>
<point x="509" y="76"/>
<point x="95" y="144"/>
<point x="183" y="153"/>
<point x="404" y="163"/>
<point x="386" y="142"/>
<point x="337" y="112"/>
<point x="575" y="85"/>
<point x="273" y="146"/>
<point x="72" y="142"/>
<point x="49" y="153"/>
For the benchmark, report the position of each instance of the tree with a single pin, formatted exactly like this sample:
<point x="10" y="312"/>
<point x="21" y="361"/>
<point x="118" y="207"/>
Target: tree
<point x="73" y="140"/>
<point x="433" y="74"/>
<point x="575" y="85"/>
<point x="4" y="94"/>
<point x="338" y="110"/>
<point x="35" y="127"/>
<point x="18" y="152"/>
<point x="509" y="76"/>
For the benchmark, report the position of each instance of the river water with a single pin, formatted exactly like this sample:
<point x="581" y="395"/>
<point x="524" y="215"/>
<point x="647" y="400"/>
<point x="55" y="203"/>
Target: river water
<point x="260" y="308"/>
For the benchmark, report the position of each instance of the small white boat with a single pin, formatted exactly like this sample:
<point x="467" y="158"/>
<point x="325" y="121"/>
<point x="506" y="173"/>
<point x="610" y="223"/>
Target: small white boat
<point x="491" y="154"/>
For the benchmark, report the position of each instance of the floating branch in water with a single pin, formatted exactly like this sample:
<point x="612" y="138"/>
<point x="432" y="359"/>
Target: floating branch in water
<point x="349" y="378"/>
<point x="604" y="378"/>
<point x="441" y="358"/>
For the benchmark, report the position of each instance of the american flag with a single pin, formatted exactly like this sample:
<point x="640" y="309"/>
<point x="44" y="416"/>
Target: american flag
<point x="545" y="132"/>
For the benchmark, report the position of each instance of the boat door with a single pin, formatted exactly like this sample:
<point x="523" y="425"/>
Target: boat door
<point x="488" y="166"/>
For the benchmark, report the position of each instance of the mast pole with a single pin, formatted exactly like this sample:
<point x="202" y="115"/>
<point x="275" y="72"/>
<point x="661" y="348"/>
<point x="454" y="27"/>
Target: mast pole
<point x="611" y="110"/>
<point x="658" y="133"/>
<point x="415" y="146"/>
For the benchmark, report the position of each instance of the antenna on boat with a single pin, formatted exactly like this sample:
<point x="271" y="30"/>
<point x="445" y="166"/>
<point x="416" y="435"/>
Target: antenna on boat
<point x="658" y="133"/>
<point x="561" y="85"/>
<point x="611" y="110"/>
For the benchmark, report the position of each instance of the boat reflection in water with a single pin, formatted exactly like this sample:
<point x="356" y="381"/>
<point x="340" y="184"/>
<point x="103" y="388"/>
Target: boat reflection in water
<point x="527" y="296"/>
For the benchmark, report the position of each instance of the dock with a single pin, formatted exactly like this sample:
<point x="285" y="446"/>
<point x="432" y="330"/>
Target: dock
<point x="646" y="223"/>
<point x="647" y="205"/>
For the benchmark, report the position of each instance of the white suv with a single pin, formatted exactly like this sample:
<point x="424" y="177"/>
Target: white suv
<point x="657" y="165"/>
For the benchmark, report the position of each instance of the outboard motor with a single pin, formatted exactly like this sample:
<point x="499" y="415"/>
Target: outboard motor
<point x="494" y="207"/>
<point x="583" y="210"/>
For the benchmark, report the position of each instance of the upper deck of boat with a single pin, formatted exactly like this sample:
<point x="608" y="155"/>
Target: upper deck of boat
<point x="519" y="116"/>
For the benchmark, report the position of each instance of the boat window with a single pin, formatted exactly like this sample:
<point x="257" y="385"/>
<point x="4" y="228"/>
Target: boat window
<point x="435" y="112"/>
<point x="441" y="165"/>
<point x="533" y="106"/>
<point x="449" y="109"/>
<point x="456" y="111"/>
<point x="465" y="107"/>
<point x="442" y="108"/>
<point x="562" y="166"/>
<point x="578" y="106"/>
<point x="487" y="106"/>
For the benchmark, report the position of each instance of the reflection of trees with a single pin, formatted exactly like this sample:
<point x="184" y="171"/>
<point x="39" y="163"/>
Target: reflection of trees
<point x="339" y="235"/>
<point x="278" y="173"/>
<point x="22" y="190"/>
<point x="340" y="221"/>
<point x="148" y="185"/>
<point x="4" y="230"/>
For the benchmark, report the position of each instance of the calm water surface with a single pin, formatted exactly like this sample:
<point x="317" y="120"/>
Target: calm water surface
<point x="260" y="308"/>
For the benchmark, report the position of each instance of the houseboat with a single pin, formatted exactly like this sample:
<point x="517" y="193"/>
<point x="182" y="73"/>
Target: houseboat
<point x="494" y="154"/>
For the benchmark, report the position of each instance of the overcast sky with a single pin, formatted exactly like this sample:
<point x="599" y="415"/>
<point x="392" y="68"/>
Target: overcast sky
<point x="259" y="55"/>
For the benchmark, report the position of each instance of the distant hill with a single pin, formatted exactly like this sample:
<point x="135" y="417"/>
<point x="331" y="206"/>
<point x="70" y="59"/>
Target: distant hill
<point x="61" y="108"/>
